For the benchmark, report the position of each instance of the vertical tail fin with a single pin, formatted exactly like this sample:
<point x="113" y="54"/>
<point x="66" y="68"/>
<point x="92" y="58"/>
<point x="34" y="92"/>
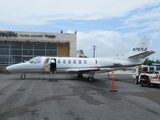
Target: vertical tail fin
<point x="140" y="49"/>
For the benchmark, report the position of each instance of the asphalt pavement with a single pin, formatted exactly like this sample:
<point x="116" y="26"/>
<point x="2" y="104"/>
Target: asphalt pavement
<point x="66" y="97"/>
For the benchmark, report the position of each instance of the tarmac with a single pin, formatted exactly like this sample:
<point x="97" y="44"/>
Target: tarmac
<point x="66" y="97"/>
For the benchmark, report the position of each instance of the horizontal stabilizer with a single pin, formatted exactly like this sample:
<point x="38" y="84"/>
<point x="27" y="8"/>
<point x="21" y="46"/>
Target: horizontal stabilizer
<point x="142" y="55"/>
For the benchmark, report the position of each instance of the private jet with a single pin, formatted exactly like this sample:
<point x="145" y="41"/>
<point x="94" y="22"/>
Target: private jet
<point x="80" y="66"/>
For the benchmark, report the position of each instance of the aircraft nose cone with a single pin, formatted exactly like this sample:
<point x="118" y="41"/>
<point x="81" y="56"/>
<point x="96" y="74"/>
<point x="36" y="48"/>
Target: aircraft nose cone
<point x="15" y="67"/>
<point x="8" y="68"/>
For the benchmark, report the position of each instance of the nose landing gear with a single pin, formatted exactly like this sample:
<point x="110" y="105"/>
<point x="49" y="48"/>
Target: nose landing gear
<point x="23" y="76"/>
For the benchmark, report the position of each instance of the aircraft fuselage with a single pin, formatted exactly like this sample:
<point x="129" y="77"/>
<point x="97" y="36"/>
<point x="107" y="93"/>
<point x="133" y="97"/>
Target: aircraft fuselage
<point x="65" y="64"/>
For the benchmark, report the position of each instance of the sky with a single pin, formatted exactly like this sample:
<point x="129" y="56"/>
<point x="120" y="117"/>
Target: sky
<point x="113" y="26"/>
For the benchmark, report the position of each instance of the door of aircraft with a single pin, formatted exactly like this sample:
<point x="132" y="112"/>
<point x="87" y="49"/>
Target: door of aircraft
<point x="48" y="66"/>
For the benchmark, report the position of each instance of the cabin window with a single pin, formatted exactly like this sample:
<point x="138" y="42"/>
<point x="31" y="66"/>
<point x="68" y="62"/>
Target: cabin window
<point x="74" y="61"/>
<point x="85" y="61"/>
<point x="64" y="61"/>
<point x="59" y="61"/>
<point x="80" y="61"/>
<point x="38" y="60"/>
<point x="69" y="61"/>
<point x="96" y="62"/>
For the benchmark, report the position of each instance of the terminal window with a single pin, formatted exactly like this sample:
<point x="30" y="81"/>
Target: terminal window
<point x="14" y="52"/>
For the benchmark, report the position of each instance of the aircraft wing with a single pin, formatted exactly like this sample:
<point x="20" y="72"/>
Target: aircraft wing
<point x="142" y="55"/>
<point x="83" y="70"/>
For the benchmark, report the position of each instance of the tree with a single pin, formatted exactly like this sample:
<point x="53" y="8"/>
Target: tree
<point x="157" y="61"/>
<point x="81" y="54"/>
<point x="149" y="62"/>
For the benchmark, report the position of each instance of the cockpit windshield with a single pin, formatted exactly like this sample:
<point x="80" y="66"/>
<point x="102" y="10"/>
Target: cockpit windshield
<point x="32" y="60"/>
<point x="35" y="60"/>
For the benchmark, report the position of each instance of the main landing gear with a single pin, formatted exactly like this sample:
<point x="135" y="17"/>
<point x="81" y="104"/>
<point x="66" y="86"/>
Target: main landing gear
<point x="91" y="77"/>
<point x="80" y="75"/>
<point x="23" y="76"/>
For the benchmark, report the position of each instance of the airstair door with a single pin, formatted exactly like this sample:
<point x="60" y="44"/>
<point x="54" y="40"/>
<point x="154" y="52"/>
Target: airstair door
<point x="47" y="64"/>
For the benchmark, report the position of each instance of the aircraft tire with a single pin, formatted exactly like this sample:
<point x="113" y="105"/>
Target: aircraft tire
<point x="90" y="79"/>
<point x="23" y="77"/>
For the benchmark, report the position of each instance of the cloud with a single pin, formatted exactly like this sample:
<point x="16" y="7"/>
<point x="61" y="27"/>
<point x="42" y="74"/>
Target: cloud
<point x="145" y="20"/>
<point x="112" y="43"/>
<point x="155" y="35"/>
<point x="108" y="43"/>
<point x="37" y="12"/>
<point x="145" y="15"/>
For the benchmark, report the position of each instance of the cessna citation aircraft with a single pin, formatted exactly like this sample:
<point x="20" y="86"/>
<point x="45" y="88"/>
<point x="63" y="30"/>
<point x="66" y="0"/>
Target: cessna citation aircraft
<point x="84" y="65"/>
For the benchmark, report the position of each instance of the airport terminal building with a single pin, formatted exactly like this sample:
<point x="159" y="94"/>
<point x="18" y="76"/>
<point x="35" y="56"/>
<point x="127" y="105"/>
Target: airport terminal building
<point x="18" y="46"/>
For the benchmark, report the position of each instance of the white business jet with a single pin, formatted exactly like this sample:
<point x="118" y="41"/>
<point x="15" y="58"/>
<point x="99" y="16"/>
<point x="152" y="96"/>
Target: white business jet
<point x="79" y="66"/>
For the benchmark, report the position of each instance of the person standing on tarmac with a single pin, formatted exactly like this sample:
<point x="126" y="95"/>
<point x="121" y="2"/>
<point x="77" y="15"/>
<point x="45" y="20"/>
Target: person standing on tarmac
<point x="138" y="71"/>
<point x="52" y="66"/>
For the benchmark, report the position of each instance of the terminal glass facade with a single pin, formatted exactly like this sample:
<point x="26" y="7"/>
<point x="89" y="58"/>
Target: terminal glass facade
<point x="11" y="53"/>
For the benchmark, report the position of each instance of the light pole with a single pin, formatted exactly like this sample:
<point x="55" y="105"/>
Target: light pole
<point x="94" y="48"/>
